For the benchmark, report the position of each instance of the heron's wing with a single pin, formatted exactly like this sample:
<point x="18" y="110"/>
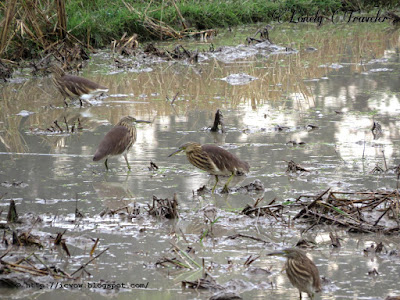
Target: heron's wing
<point x="79" y="85"/>
<point x="225" y="161"/>
<point x="114" y="142"/>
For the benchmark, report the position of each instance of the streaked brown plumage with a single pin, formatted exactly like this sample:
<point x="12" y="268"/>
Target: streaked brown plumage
<point x="215" y="160"/>
<point x="301" y="271"/>
<point x="117" y="141"/>
<point x="72" y="86"/>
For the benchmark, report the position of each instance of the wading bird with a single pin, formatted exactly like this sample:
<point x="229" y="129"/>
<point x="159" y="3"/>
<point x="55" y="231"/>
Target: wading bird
<point x="301" y="271"/>
<point x="72" y="86"/>
<point x="118" y="140"/>
<point x="214" y="160"/>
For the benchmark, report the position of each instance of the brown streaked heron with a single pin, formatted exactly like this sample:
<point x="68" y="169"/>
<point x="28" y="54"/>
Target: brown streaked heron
<point x="71" y="86"/>
<point x="118" y="140"/>
<point x="301" y="271"/>
<point x="214" y="160"/>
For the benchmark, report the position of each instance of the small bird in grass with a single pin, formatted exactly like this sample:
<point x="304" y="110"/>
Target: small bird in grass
<point x="301" y="271"/>
<point x="118" y="140"/>
<point x="214" y="160"/>
<point x="72" y="86"/>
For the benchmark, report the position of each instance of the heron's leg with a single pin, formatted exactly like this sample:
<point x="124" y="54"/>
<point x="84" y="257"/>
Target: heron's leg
<point x="80" y="100"/>
<point x="65" y="102"/>
<point x="126" y="159"/>
<point x="300" y="295"/>
<point x="225" y="189"/>
<point x="105" y="163"/>
<point x="215" y="185"/>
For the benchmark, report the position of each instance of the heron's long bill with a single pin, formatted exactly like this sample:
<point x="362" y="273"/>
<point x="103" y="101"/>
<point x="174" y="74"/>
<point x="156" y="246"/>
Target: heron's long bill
<point x="175" y="152"/>
<point x="142" y="121"/>
<point x="277" y="253"/>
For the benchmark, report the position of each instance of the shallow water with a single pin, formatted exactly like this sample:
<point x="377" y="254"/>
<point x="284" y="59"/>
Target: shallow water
<point x="351" y="80"/>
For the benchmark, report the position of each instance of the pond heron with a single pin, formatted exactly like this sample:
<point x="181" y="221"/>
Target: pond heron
<point x="72" y="86"/>
<point x="214" y="160"/>
<point x="118" y="140"/>
<point x="301" y="271"/>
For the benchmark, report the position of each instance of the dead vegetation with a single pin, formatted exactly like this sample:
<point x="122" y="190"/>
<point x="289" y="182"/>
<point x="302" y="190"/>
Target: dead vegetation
<point x="295" y="168"/>
<point x="164" y="208"/>
<point x="25" y="270"/>
<point x="273" y="210"/>
<point x="362" y="212"/>
<point x="36" y="30"/>
<point x="178" y="53"/>
<point x="74" y="127"/>
<point x="263" y="36"/>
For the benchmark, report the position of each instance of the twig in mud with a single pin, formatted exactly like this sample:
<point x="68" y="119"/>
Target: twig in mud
<point x="12" y="216"/>
<point x="65" y="248"/>
<point x="92" y="259"/>
<point x="311" y="205"/>
<point x="175" y="97"/>
<point x="66" y="123"/>
<point x="174" y="261"/>
<point x="381" y="216"/>
<point x="58" y="239"/>
<point x="179" y="252"/>
<point x="58" y="126"/>
<point x="250" y="260"/>
<point x="240" y="235"/>
<point x="94" y="247"/>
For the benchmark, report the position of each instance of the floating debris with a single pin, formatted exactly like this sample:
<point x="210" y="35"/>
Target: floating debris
<point x="25" y="113"/>
<point x="207" y="283"/>
<point x="294" y="168"/>
<point x="380" y="70"/>
<point x="254" y="186"/>
<point x="310" y="127"/>
<point x="294" y="143"/>
<point x="19" y="184"/>
<point x="165" y="208"/>
<point x="239" y="79"/>
<point x="281" y="128"/>
<point x="153" y="166"/>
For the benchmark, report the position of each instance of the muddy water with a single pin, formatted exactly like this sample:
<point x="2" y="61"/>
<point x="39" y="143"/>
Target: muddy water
<point x="349" y="80"/>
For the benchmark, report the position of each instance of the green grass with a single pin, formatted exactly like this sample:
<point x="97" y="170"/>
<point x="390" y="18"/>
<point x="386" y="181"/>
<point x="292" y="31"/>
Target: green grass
<point x="115" y="18"/>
